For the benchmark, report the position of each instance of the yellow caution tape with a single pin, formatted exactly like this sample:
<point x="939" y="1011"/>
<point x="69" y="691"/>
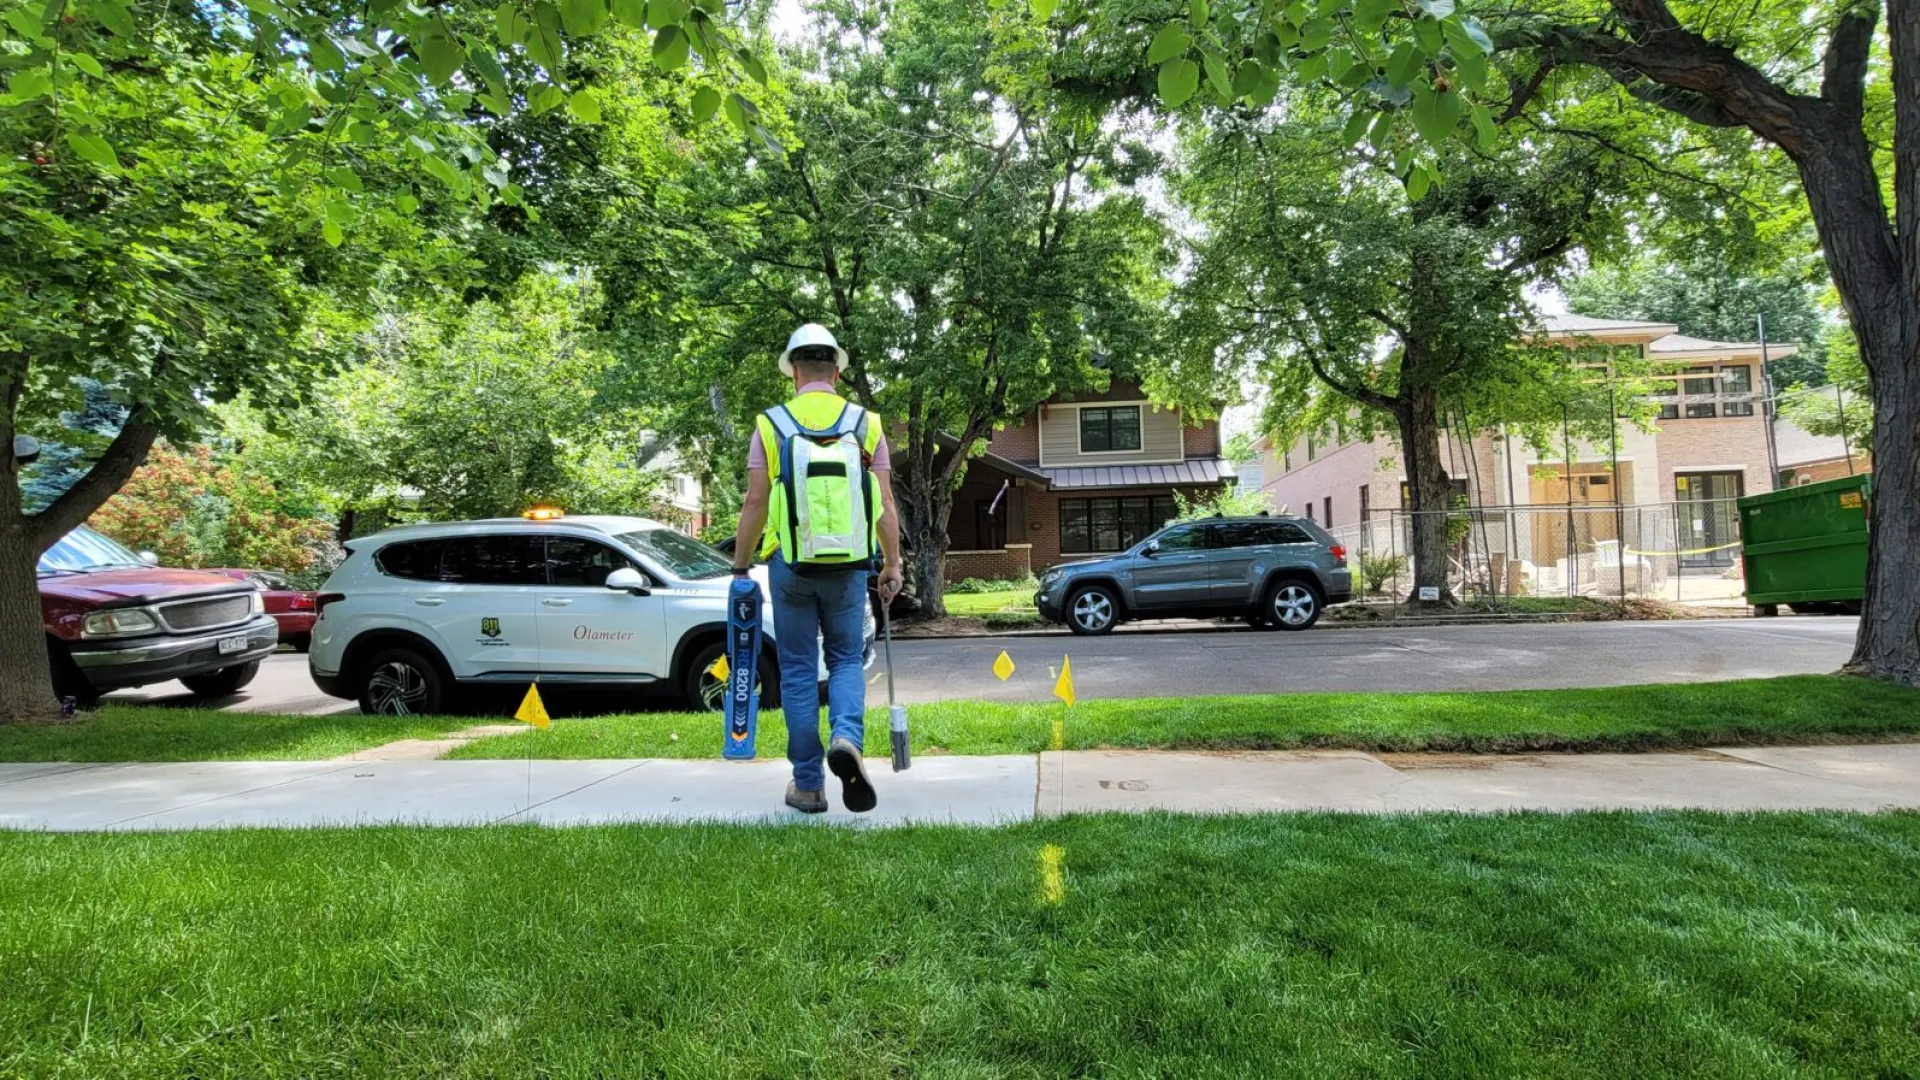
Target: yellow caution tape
<point x="1691" y="551"/>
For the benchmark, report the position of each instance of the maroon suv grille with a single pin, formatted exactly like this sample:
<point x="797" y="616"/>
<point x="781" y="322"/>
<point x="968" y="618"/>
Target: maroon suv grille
<point x="200" y="614"/>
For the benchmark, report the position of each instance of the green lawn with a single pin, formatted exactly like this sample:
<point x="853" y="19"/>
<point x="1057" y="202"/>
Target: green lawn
<point x="1600" y="945"/>
<point x="150" y="733"/>
<point x="988" y="603"/>
<point x="1797" y="709"/>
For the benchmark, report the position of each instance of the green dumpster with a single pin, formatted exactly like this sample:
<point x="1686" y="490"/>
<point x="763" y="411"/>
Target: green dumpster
<point x="1806" y="546"/>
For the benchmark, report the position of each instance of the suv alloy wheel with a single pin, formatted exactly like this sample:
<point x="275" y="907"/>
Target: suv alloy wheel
<point x="1291" y="605"/>
<point x="1093" y="610"/>
<point x="401" y="682"/>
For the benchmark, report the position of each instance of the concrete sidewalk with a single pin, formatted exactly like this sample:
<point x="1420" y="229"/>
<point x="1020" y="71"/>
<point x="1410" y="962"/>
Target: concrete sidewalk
<point x="965" y="790"/>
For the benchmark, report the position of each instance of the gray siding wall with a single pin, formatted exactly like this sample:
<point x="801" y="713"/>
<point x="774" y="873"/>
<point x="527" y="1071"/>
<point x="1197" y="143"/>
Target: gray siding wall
<point x="1060" y="438"/>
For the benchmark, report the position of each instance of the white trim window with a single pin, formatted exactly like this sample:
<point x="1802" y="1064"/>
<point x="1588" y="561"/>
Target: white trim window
<point x="1109" y="429"/>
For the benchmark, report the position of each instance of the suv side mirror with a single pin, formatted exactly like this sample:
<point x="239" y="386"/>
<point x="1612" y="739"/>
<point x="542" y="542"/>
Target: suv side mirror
<point x="150" y="558"/>
<point x="1153" y="548"/>
<point x="26" y="449"/>
<point x="628" y="580"/>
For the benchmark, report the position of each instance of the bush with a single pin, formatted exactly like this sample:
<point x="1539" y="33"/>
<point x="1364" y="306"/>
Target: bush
<point x="973" y="585"/>
<point x="195" y="512"/>
<point x="1376" y="570"/>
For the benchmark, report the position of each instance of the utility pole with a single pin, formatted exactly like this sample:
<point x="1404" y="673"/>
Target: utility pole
<point x="1766" y="407"/>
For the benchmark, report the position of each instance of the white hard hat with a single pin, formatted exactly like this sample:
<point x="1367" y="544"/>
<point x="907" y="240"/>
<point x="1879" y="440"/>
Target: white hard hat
<point x="811" y="334"/>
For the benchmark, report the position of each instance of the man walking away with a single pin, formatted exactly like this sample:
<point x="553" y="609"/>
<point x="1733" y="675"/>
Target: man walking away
<point x="820" y="492"/>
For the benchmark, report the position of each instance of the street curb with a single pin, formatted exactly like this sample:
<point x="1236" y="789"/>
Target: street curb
<point x="1517" y="618"/>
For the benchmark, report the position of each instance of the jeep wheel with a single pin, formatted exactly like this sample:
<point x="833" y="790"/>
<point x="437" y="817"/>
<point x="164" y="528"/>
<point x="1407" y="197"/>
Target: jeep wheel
<point x="223" y="682"/>
<point x="1092" y="611"/>
<point x="401" y="682"/>
<point x="706" y="693"/>
<point x="1291" y="605"/>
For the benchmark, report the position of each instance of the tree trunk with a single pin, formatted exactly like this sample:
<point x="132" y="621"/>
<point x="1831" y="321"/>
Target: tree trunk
<point x="1417" y="411"/>
<point x="26" y="682"/>
<point x="1888" y="644"/>
<point x="924" y="511"/>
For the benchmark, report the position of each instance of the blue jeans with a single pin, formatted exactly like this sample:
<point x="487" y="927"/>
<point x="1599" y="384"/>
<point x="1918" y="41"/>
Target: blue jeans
<point x="808" y="611"/>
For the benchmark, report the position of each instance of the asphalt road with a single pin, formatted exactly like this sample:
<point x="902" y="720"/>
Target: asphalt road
<point x="1493" y="657"/>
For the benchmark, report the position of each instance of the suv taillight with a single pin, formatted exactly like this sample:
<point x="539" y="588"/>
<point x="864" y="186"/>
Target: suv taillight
<point x="320" y="602"/>
<point x="1339" y="554"/>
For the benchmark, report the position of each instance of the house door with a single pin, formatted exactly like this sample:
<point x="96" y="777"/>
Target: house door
<point x="1706" y="526"/>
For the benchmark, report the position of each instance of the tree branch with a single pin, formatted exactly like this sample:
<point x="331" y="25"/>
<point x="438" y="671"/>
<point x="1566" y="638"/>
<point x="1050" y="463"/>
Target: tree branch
<point x="125" y="454"/>
<point x="1843" y="81"/>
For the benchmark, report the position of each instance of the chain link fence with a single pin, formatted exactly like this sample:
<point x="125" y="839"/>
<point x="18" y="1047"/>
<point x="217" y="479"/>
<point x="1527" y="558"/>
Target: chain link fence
<point x="1684" y="552"/>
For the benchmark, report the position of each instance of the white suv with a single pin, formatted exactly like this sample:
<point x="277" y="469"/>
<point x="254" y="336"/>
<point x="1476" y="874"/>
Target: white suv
<point x="597" y="600"/>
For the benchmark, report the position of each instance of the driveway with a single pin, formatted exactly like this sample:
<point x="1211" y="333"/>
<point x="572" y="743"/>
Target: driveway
<point x="1495" y="657"/>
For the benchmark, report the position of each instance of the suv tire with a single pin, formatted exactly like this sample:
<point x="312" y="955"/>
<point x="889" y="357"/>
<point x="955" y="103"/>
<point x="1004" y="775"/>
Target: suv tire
<point x="223" y="682"/>
<point x="1290" y="604"/>
<point x="704" y="693"/>
<point x="401" y="682"/>
<point x="1092" y="611"/>
<point x="69" y="681"/>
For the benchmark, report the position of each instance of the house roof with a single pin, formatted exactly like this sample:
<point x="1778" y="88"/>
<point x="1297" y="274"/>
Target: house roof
<point x="995" y="461"/>
<point x="1585" y="324"/>
<point x="1681" y="344"/>
<point x="1193" y="471"/>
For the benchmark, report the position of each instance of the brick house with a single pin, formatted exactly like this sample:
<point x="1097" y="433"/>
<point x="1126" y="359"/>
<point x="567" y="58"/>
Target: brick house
<point x="1710" y="445"/>
<point x="1080" y="476"/>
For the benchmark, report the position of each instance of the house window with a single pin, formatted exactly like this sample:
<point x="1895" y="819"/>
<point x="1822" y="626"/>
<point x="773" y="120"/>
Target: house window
<point x="1668" y="395"/>
<point x="989" y="528"/>
<point x="1326" y="508"/>
<point x="1092" y="526"/>
<point x="1736" y="381"/>
<point x="1366" y="504"/>
<point x="1110" y="428"/>
<point x="1309" y="509"/>
<point x="1311" y="449"/>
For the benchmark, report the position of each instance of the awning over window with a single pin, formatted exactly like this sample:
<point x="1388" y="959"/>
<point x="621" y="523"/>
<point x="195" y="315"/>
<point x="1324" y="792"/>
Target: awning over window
<point x="1194" y="472"/>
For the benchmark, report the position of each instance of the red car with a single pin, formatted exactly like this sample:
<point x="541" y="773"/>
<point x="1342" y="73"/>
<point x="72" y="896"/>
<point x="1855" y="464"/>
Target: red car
<point x="113" y="620"/>
<point x="292" y="608"/>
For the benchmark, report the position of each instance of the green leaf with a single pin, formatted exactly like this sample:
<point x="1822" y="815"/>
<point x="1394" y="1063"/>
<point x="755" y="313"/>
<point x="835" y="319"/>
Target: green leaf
<point x="497" y="104"/>
<point x="340" y="210"/>
<point x="548" y="99"/>
<point x="87" y="64"/>
<point x="1265" y="88"/>
<point x="1435" y="113"/>
<point x="1404" y="65"/>
<point x="440" y="169"/>
<point x="544" y="40"/>
<point x="706" y="102"/>
<point x="1417" y="183"/>
<point x="114" y="15"/>
<point x="1315" y="34"/>
<point x="670" y="49"/>
<point x="511" y="24"/>
<point x="1476" y="34"/>
<point x="767" y="140"/>
<point x="664" y="13"/>
<point x="1439" y="9"/>
<point x="735" y="108"/>
<point x="1472" y="65"/>
<point x="325" y="54"/>
<point x="440" y="56"/>
<point x="1044" y="9"/>
<point x="1428" y="34"/>
<point x="1217" y="76"/>
<point x="1311" y="68"/>
<point x="1356" y="128"/>
<point x="406" y="204"/>
<point x="1339" y="62"/>
<point x="342" y="177"/>
<point x="331" y="232"/>
<point x="28" y="21"/>
<point x="1266" y="49"/>
<point x="95" y="149"/>
<point x="1484" y="134"/>
<point x="1197" y="12"/>
<point x="630" y="13"/>
<point x="1382" y="130"/>
<point x="583" y="18"/>
<point x="755" y="70"/>
<point x="1247" y="77"/>
<point x="1178" y="80"/>
<point x="1171" y="41"/>
<point x="488" y="65"/>
<point x="1369" y="16"/>
<point x="585" y="106"/>
<point x="27" y="85"/>
<point x="496" y="176"/>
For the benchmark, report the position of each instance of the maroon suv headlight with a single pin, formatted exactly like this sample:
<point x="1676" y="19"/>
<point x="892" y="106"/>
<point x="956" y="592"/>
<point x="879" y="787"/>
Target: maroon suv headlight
<point x="118" y="622"/>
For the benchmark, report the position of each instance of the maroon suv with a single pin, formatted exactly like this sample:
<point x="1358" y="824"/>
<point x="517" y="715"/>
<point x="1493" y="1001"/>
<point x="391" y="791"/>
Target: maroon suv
<point x="115" y="620"/>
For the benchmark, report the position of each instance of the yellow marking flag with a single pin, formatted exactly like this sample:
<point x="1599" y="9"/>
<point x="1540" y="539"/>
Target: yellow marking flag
<point x="1053" y="883"/>
<point x="532" y="709"/>
<point x="1003" y="667"/>
<point x="720" y="669"/>
<point x="1063" y="686"/>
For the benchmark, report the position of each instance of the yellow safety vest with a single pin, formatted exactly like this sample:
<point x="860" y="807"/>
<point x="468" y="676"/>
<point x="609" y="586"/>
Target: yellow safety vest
<point x="825" y="505"/>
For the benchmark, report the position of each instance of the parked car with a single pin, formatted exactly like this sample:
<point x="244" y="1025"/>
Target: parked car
<point x="1277" y="572"/>
<point x="114" y="619"/>
<point x="291" y="608"/>
<point x="617" y="601"/>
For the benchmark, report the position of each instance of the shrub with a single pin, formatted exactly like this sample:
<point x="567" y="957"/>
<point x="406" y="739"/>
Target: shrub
<point x="1376" y="570"/>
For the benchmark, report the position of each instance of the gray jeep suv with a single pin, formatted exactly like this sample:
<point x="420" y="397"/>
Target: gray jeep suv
<point x="1278" y="572"/>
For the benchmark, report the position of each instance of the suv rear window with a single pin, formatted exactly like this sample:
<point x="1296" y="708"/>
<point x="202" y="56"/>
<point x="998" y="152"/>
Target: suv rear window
<point x="1261" y="534"/>
<point x="418" y="560"/>
<point x="494" y="560"/>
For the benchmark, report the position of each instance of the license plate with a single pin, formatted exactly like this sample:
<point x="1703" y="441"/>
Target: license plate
<point x="232" y="645"/>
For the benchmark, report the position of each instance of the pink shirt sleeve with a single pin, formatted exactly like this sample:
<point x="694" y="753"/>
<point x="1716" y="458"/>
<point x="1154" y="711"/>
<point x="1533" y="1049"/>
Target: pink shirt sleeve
<point x="757" y="454"/>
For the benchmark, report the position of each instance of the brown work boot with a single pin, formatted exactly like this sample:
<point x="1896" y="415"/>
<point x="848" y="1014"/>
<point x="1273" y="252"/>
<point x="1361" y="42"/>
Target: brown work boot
<point x="807" y="802"/>
<point x="843" y="760"/>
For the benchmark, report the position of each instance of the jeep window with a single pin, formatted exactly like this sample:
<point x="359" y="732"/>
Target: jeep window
<point x="1240" y="534"/>
<point x="82" y="550"/>
<point x="417" y="560"/>
<point x="1184" y="538"/>
<point x="577" y="563"/>
<point x="494" y="560"/>
<point x="679" y="554"/>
